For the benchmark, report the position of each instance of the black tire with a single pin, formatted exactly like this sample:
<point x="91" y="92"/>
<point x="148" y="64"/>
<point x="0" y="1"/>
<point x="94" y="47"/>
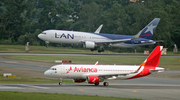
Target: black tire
<point x="60" y="83"/>
<point x="96" y="84"/>
<point x="92" y="49"/>
<point x="105" y="83"/>
<point x="102" y="50"/>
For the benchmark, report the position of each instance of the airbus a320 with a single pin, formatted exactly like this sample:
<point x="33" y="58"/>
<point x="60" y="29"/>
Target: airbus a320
<point x="94" y="74"/>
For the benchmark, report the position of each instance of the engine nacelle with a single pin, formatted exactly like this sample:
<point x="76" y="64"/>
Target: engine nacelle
<point x="89" y="44"/>
<point x="79" y="80"/>
<point x="92" y="79"/>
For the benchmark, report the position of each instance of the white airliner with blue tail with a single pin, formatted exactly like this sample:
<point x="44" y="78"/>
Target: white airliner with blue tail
<point x="98" y="40"/>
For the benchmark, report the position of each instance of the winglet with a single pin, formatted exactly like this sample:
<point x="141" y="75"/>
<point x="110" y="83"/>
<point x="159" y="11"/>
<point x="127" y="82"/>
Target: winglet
<point x="99" y="29"/>
<point x="96" y="63"/>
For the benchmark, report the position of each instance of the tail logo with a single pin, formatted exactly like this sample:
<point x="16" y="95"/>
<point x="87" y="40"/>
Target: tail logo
<point x="150" y="29"/>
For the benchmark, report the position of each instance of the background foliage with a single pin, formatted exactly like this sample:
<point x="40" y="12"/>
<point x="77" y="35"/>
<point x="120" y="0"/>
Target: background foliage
<point x="23" y="20"/>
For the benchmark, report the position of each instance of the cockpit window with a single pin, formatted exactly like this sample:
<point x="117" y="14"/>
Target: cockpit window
<point x="43" y="33"/>
<point x="53" y="69"/>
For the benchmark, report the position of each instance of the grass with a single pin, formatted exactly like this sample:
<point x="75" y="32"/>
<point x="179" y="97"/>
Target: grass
<point x="172" y="63"/>
<point x="30" y="80"/>
<point x="43" y="49"/>
<point x="7" y="95"/>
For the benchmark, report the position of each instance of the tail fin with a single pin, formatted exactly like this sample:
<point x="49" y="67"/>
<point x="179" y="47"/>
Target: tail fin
<point x="147" y="32"/>
<point x="150" y="64"/>
<point x="153" y="58"/>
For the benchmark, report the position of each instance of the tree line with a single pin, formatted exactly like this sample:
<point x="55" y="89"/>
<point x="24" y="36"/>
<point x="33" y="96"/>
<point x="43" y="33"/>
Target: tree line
<point x="23" y="20"/>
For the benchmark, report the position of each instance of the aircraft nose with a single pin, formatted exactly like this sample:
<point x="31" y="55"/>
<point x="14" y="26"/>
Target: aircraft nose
<point x="39" y="36"/>
<point x="47" y="73"/>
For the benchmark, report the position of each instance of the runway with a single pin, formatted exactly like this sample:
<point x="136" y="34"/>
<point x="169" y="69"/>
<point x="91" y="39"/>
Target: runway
<point x="154" y="87"/>
<point x="140" y="91"/>
<point x="72" y="54"/>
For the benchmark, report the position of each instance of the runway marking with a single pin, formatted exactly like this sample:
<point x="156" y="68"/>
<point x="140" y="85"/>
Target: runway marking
<point x="7" y="87"/>
<point x="32" y="88"/>
<point x="81" y="89"/>
<point x="166" y="76"/>
<point x="8" y="61"/>
<point x="134" y="90"/>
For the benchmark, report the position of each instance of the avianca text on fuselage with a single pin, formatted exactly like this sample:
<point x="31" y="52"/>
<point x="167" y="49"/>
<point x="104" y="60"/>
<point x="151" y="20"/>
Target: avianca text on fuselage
<point x="68" y="36"/>
<point x="81" y="69"/>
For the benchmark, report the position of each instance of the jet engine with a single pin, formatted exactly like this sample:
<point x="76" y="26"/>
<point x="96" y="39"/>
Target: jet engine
<point x="89" y="44"/>
<point x="93" y="79"/>
<point x="79" y="80"/>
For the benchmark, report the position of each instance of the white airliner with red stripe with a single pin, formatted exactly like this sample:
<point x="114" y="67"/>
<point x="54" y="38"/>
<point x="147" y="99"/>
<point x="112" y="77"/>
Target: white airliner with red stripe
<point x="93" y="74"/>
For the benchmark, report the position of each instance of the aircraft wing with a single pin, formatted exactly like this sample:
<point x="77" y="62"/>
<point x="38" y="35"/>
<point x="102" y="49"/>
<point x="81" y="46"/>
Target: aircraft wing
<point x="121" y="40"/>
<point x="115" y="75"/>
<point x="113" y="41"/>
<point x="106" y="76"/>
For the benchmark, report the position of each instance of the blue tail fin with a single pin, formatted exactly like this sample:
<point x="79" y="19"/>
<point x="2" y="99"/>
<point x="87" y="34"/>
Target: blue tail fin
<point x="147" y="32"/>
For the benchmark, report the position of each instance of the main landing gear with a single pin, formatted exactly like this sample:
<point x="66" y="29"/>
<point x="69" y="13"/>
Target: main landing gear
<point x="100" y="50"/>
<point x="60" y="82"/>
<point x="105" y="84"/>
<point x="96" y="84"/>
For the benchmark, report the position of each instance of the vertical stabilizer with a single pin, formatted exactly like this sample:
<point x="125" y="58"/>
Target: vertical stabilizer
<point x="147" y="32"/>
<point x="153" y="58"/>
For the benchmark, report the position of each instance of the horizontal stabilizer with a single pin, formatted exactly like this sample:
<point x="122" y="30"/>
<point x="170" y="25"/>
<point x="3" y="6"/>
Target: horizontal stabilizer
<point x="155" y="71"/>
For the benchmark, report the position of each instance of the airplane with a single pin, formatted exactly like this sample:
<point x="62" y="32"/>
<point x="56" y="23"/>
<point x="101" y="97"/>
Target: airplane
<point x="93" y="74"/>
<point x="97" y="41"/>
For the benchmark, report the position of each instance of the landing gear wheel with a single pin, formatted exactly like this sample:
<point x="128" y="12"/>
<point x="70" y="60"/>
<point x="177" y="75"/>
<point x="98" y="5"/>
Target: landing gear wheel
<point x="60" y="83"/>
<point x="102" y="50"/>
<point x="105" y="83"/>
<point x="47" y="42"/>
<point x="47" y="45"/>
<point x="96" y="84"/>
<point x="92" y="49"/>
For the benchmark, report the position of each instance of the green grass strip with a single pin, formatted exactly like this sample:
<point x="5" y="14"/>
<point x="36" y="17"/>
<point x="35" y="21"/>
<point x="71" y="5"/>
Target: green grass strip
<point x="50" y="96"/>
<point x="31" y="80"/>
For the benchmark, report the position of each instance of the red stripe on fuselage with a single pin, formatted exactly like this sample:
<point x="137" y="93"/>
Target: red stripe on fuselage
<point x="145" y="35"/>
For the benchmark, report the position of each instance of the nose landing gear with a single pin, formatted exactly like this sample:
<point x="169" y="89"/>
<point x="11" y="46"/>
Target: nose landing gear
<point x="60" y="82"/>
<point x="47" y="42"/>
